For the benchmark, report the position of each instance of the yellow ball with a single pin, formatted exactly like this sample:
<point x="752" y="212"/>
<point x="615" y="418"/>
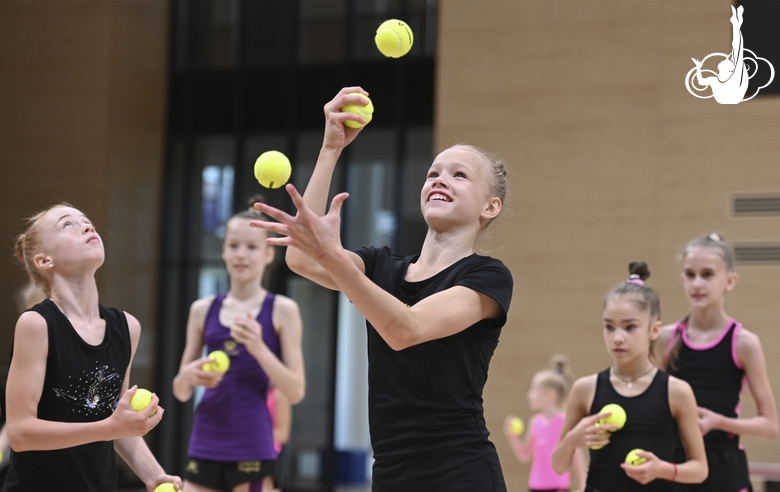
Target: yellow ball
<point x="601" y="432"/>
<point x="220" y="362"/>
<point x="516" y="426"/>
<point x="366" y="111"/>
<point x="394" y="38"/>
<point x="634" y="460"/>
<point x="617" y="418"/>
<point x="272" y="169"/>
<point x="165" y="487"/>
<point x="141" y="399"/>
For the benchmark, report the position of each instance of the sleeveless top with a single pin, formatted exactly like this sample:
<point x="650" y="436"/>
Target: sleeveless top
<point x="425" y="407"/>
<point x="649" y="426"/>
<point x="232" y="422"/>
<point x="83" y="383"/>
<point x="544" y="438"/>
<point x="715" y="375"/>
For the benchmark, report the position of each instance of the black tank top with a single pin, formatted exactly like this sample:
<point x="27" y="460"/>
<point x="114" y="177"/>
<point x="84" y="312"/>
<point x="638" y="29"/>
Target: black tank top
<point x="649" y="426"/>
<point x="82" y="384"/>
<point x="714" y="375"/>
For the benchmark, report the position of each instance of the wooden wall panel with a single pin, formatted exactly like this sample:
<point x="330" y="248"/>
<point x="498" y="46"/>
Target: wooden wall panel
<point x="610" y="160"/>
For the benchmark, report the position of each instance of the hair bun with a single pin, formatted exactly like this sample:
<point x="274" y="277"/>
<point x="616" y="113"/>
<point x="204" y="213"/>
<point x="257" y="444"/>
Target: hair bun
<point x="255" y="199"/>
<point x="640" y="269"/>
<point x="714" y="236"/>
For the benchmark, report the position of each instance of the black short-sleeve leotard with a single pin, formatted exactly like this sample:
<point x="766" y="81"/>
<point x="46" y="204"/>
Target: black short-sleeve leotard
<point x="426" y="417"/>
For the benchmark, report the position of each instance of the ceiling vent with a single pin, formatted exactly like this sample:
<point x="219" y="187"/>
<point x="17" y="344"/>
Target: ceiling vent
<point x="756" y="205"/>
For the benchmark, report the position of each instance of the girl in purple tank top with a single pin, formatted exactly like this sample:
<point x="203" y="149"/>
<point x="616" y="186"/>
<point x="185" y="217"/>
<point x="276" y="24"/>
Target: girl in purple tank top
<point x="232" y="445"/>
<point x="546" y="397"/>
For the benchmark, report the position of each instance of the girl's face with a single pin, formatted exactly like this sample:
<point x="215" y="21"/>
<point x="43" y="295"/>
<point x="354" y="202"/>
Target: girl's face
<point x="628" y="329"/>
<point x="541" y="396"/>
<point x="69" y="242"/>
<point x="244" y="251"/>
<point x="706" y="278"/>
<point x="457" y="190"/>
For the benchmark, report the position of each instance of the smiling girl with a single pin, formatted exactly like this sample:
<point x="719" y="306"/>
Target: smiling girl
<point x="433" y="318"/>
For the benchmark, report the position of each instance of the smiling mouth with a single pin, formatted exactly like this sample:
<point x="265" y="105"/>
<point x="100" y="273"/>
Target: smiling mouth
<point x="438" y="197"/>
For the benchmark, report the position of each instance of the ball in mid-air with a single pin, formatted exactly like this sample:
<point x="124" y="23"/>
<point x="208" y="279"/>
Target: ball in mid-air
<point x="365" y="111"/>
<point x="516" y="426"/>
<point x="220" y="362"/>
<point x="272" y="169"/>
<point x="617" y="418"/>
<point x="141" y="399"/>
<point x="165" y="487"/>
<point x="394" y="38"/>
<point x="633" y="459"/>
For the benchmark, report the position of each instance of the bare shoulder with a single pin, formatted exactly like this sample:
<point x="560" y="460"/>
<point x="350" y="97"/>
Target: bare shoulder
<point x="285" y="305"/>
<point x="199" y="308"/>
<point x="747" y="340"/>
<point x="666" y="333"/>
<point x="679" y="388"/>
<point x="31" y="325"/>
<point x="133" y="324"/>
<point x="584" y="386"/>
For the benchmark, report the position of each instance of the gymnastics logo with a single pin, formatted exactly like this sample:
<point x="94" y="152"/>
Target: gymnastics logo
<point x="730" y="84"/>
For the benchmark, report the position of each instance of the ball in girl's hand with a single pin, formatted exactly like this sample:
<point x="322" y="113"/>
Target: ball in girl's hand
<point x="633" y="459"/>
<point x="220" y="362"/>
<point x="617" y="418"/>
<point x="165" y="487"/>
<point x="601" y="432"/>
<point x="516" y="426"/>
<point x="141" y="399"/>
<point x="272" y="169"/>
<point x="394" y="38"/>
<point x="365" y="111"/>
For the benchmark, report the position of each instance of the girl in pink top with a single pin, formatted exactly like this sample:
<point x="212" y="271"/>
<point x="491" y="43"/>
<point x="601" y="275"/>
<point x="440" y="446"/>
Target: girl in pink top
<point x="546" y="396"/>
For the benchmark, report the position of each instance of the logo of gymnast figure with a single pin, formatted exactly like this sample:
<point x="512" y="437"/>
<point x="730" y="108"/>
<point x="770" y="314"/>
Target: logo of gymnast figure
<point x="730" y="84"/>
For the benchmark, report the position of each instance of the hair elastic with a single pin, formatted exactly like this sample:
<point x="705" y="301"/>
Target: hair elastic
<point x="634" y="279"/>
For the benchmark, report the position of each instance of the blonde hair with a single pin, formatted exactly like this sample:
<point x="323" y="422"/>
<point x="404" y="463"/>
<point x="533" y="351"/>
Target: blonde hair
<point x="497" y="179"/>
<point x="558" y="377"/>
<point x="28" y="244"/>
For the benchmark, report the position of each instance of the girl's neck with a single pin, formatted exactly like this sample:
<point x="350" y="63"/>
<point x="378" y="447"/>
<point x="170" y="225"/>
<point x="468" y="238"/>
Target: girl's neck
<point x="551" y="411"/>
<point x="441" y="250"/>
<point x="712" y="318"/>
<point x="77" y="298"/>
<point x="632" y="370"/>
<point x="246" y="291"/>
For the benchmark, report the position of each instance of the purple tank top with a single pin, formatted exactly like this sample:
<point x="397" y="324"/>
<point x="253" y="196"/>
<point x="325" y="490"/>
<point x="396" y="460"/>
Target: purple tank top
<point x="232" y="422"/>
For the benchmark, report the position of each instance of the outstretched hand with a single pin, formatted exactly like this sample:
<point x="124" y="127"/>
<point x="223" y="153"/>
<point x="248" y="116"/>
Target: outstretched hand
<point x="319" y="237"/>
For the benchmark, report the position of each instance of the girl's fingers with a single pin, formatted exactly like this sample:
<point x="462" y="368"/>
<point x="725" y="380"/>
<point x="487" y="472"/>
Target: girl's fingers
<point x="338" y="202"/>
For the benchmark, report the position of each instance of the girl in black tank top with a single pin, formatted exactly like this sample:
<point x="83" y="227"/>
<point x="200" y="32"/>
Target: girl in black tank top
<point x="67" y="391"/>
<point x="658" y="408"/>
<point x="715" y="355"/>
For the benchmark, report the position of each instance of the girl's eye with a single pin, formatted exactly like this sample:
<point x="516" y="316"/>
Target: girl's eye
<point x="609" y="327"/>
<point x="66" y="224"/>
<point x="432" y="175"/>
<point x="460" y="175"/>
<point x="630" y="327"/>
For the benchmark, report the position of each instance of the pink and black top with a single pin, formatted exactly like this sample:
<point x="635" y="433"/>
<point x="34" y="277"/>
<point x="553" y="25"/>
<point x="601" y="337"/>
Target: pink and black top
<point x="715" y="375"/>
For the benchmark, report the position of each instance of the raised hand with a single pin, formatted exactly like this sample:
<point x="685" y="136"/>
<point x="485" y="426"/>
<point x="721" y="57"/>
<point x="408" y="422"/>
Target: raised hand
<point x="337" y="136"/>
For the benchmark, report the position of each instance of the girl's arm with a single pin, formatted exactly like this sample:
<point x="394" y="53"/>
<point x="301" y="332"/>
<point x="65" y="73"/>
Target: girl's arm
<point x="580" y="468"/>
<point x="134" y="450"/>
<point x="661" y="347"/>
<point x="191" y="371"/>
<point x="283" y="423"/>
<point x="439" y="315"/>
<point x="579" y="429"/>
<point x="288" y="376"/>
<point x="683" y="406"/>
<point x="26" y="432"/>
<point x="764" y="424"/>
<point x="336" y="138"/>
<point x="521" y="446"/>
